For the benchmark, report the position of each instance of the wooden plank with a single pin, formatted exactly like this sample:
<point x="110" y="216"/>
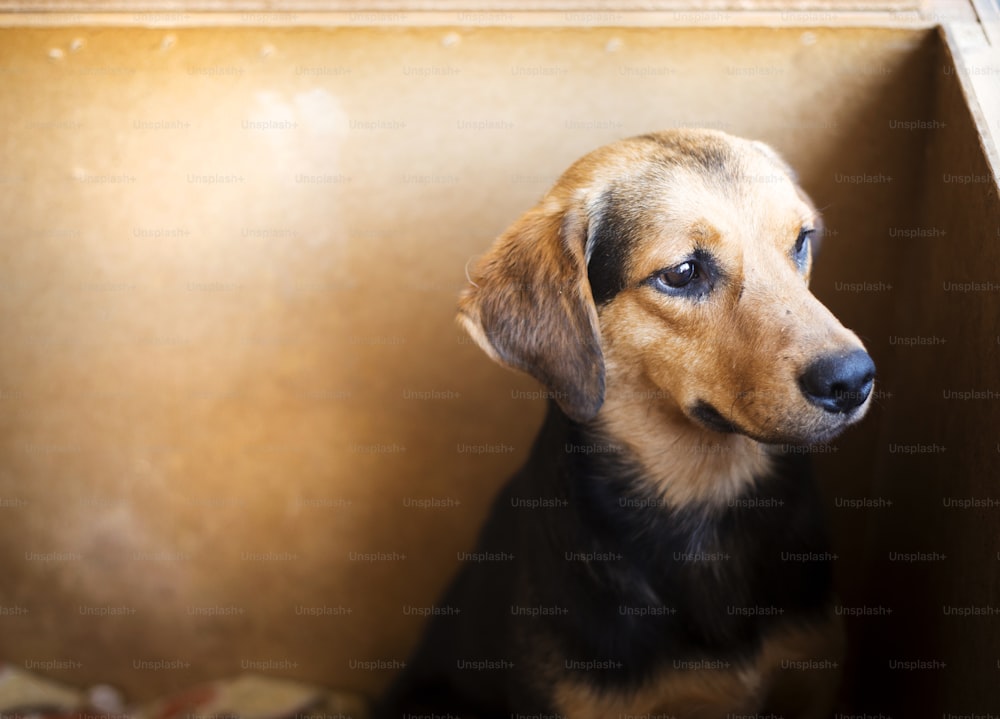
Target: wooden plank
<point x="77" y="6"/>
<point x="177" y="18"/>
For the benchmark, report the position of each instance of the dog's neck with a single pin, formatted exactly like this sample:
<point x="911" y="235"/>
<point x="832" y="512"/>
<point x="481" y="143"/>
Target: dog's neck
<point x="681" y="508"/>
<point x="684" y="462"/>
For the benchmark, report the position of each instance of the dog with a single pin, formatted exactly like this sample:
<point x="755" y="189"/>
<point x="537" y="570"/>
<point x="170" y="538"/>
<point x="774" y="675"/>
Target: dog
<point x="662" y="552"/>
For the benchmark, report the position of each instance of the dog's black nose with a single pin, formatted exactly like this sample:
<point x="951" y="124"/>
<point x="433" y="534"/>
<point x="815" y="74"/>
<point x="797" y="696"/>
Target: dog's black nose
<point x="839" y="383"/>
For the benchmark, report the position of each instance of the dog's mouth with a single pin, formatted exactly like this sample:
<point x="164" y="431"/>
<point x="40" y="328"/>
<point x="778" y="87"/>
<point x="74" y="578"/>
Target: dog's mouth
<point x="705" y="414"/>
<point x="713" y="419"/>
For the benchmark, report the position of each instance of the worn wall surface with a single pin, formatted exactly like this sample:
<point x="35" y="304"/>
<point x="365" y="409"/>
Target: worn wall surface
<point x="238" y="423"/>
<point x="933" y="553"/>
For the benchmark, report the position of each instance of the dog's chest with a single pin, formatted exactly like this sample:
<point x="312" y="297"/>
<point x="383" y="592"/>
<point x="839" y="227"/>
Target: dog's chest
<point x="690" y="582"/>
<point x="773" y="681"/>
<point x="684" y="611"/>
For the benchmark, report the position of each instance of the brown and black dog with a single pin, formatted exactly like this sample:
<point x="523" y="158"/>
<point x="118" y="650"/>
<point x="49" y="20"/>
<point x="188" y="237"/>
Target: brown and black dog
<point x="659" y="554"/>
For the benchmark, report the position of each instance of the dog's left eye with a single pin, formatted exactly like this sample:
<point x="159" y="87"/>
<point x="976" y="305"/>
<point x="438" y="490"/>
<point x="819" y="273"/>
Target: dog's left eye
<point x="801" y="245"/>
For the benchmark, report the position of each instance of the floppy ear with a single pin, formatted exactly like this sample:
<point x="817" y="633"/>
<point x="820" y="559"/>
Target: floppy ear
<point x="530" y="308"/>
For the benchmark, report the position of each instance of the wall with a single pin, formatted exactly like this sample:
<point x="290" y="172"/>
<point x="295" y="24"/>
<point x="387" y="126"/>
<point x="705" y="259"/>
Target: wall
<point x="932" y="554"/>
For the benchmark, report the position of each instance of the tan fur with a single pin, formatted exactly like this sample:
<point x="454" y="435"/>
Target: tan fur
<point x="744" y="351"/>
<point x="637" y="369"/>
<point x="528" y="308"/>
<point x="688" y="463"/>
<point x="795" y="674"/>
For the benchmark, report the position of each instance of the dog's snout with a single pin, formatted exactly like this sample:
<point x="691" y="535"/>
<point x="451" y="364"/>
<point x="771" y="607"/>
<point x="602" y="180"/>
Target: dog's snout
<point x="839" y="383"/>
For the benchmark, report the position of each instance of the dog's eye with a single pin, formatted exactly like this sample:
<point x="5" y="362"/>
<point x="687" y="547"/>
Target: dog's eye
<point x="693" y="279"/>
<point x="678" y="276"/>
<point x="800" y="243"/>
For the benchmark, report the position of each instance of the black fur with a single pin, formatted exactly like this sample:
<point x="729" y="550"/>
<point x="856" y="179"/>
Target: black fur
<point x="611" y="240"/>
<point x="664" y="586"/>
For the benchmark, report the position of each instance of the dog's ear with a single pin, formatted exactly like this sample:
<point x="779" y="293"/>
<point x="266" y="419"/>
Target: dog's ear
<point x="530" y="307"/>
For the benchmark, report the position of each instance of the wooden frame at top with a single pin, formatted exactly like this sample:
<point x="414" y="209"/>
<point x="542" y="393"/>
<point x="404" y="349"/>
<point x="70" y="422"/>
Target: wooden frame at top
<point x="970" y="27"/>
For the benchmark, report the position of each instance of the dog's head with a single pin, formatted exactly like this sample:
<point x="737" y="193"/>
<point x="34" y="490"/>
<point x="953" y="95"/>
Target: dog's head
<point x="673" y="268"/>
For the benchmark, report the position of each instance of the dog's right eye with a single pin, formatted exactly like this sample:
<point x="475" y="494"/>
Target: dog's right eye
<point x="693" y="279"/>
<point x="676" y="277"/>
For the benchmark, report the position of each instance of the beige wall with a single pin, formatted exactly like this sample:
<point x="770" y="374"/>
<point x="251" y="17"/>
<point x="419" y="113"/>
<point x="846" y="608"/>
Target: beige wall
<point x="228" y="271"/>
